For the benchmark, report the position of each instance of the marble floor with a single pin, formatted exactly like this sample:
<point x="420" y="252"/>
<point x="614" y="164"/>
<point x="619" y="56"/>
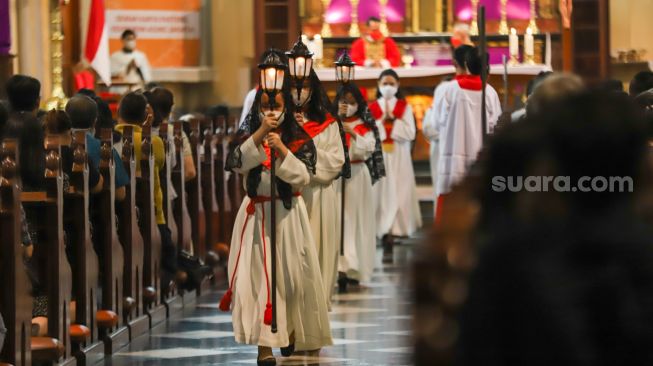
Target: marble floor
<point x="371" y="325"/>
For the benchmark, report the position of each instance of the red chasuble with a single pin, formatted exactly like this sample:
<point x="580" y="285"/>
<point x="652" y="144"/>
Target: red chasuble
<point x="398" y="112"/>
<point x="392" y="54"/>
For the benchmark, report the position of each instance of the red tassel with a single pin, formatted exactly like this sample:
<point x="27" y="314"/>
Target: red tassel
<point x="225" y="302"/>
<point x="267" y="317"/>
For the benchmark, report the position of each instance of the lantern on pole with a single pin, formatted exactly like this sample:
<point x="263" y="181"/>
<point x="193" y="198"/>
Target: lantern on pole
<point x="272" y="74"/>
<point x="345" y="68"/>
<point x="300" y="64"/>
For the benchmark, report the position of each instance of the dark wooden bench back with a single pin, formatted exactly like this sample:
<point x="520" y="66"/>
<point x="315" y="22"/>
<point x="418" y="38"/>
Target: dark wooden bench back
<point x="182" y="216"/>
<point x="166" y="181"/>
<point x="194" y="190"/>
<point x="224" y="204"/>
<point x="208" y="188"/>
<point x="15" y="302"/>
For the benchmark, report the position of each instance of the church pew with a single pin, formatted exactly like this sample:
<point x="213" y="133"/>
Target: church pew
<point x="180" y="209"/>
<point x="150" y="232"/>
<point x="111" y="326"/>
<point x="208" y="191"/>
<point x="47" y="212"/>
<point x="194" y="190"/>
<point x="170" y="299"/>
<point x="132" y="241"/>
<point x="15" y="302"/>
<point x="235" y="189"/>
<point x="85" y="342"/>
<point x="224" y="204"/>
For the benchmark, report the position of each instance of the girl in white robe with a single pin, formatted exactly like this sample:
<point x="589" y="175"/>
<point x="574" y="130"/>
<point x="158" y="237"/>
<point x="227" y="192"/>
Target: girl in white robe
<point x="356" y="263"/>
<point x="302" y="314"/>
<point x="398" y="212"/>
<point x="320" y="195"/>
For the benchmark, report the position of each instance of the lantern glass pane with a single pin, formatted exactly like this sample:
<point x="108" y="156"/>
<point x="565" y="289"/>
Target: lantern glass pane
<point x="280" y="77"/>
<point x="291" y="66"/>
<point x="309" y="66"/>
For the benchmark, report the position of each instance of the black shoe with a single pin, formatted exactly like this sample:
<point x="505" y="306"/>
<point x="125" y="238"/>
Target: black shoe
<point x="269" y="361"/>
<point x="342" y="282"/>
<point x="288" y="351"/>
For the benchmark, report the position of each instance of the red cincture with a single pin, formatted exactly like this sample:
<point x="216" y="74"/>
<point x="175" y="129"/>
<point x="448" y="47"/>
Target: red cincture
<point x="398" y="112"/>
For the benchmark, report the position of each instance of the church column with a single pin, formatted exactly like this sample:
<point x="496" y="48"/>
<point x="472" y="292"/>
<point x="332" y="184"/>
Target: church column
<point x="33" y="36"/>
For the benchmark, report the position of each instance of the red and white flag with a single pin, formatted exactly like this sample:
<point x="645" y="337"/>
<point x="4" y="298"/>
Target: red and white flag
<point x="97" y="41"/>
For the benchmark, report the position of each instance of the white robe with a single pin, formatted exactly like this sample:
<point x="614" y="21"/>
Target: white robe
<point x="301" y="306"/>
<point x="119" y="62"/>
<point x="461" y="132"/>
<point x="247" y="105"/>
<point x="397" y="209"/>
<point x="323" y="204"/>
<point x="360" y="221"/>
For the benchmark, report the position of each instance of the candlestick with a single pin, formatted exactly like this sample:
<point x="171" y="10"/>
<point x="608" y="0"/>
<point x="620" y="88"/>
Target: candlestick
<point x="513" y="41"/>
<point x="326" y="30"/>
<point x="384" y="21"/>
<point x="532" y="24"/>
<point x="503" y="26"/>
<point x="474" y="26"/>
<point x="318" y="46"/>
<point x="58" y="99"/>
<point x="354" y="31"/>
<point x="529" y="47"/>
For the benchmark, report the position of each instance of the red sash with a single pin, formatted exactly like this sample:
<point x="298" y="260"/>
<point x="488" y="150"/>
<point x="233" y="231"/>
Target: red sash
<point x="469" y="82"/>
<point x="293" y="146"/>
<point x="397" y="112"/>
<point x="360" y="130"/>
<point x="314" y="128"/>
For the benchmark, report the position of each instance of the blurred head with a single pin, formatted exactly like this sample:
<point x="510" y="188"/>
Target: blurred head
<point x="58" y="123"/>
<point x="460" y="35"/>
<point x="642" y="82"/>
<point x="274" y="108"/>
<point x="533" y="83"/>
<point x="133" y="108"/>
<point x="128" y="39"/>
<point x="23" y="93"/>
<point x="373" y="24"/>
<point x="388" y="84"/>
<point x="82" y="111"/>
<point x="459" y="58"/>
<point x="351" y="95"/>
<point x="473" y="61"/>
<point x="28" y="130"/>
<point x="161" y="100"/>
<point x="4" y="115"/>
<point x="552" y="89"/>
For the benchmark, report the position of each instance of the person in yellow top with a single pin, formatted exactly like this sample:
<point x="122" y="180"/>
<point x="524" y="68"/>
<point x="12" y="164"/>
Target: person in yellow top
<point x="134" y="111"/>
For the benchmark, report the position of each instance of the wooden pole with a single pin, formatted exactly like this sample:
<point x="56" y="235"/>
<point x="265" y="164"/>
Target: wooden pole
<point x="483" y="54"/>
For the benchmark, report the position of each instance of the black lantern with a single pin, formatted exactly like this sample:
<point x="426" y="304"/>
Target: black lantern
<point x="345" y="68"/>
<point x="300" y="64"/>
<point x="272" y="74"/>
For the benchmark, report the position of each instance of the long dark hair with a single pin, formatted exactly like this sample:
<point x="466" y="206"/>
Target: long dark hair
<point x="318" y="104"/>
<point x="28" y="130"/>
<point x="389" y="72"/>
<point x="375" y="162"/>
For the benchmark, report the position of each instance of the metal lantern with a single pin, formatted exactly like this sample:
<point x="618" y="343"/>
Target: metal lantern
<point x="345" y="68"/>
<point x="272" y="75"/>
<point x="300" y="64"/>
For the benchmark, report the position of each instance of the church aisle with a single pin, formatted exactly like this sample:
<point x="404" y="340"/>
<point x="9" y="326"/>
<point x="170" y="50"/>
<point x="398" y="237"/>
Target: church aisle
<point x="370" y="326"/>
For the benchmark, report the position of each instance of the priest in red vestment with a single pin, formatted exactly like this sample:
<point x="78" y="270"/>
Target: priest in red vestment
<point x="374" y="49"/>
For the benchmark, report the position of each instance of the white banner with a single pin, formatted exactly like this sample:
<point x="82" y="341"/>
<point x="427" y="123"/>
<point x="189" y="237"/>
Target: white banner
<point x="154" y="24"/>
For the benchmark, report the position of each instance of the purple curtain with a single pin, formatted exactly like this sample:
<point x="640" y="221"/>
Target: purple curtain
<point x="516" y="9"/>
<point x="340" y="11"/>
<point x="5" y="36"/>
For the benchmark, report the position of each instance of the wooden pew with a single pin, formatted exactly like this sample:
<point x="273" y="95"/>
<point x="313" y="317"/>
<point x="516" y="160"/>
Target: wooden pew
<point x="110" y="320"/>
<point x="171" y="299"/>
<point x="194" y="190"/>
<point x="47" y="209"/>
<point x="15" y="301"/>
<point x="150" y="231"/>
<point x="208" y="192"/>
<point x="224" y="204"/>
<point x="85" y="342"/>
<point x="132" y="241"/>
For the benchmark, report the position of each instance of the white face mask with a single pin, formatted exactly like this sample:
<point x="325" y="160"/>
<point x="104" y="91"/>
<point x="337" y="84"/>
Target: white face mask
<point x="388" y="91"/>
<point x="130" y="45"/>
<point x="352" y="109"/>
<point x="278" y="115"/>
<point x="303" y="97"/>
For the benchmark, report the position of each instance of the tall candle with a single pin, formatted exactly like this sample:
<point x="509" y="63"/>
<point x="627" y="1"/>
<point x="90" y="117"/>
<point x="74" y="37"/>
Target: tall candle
<point x="319" y="46"/>
<point x="513" y="41"/>
<point x="529" y="48"/>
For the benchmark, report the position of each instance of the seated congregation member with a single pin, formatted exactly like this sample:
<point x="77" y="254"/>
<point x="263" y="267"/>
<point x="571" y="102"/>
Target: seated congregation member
<point x="104" y="118"/>
<point x="641" y="82"/>
<point x="23" y="94"/>
<point x="321" y="197"/>
<point x="162" y="100"/>
<point x="397" y="210"/>
<point x="84" y="114"/>
<point x="460" y="126"/>
<point x="303" y="322"/>
<point x="366" y="158"/>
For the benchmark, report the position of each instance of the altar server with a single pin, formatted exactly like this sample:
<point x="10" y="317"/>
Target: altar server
<point x="322" y="201"/>
<point x="303" y="322"/>
<point x="130" y="65"/>
<point x="460" y="126"/>
<point x="366" y="158"/>
<point x="398" y="211"/>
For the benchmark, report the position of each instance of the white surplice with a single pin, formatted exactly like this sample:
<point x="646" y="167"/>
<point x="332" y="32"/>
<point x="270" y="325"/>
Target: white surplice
<point x="119" y="62"/>
<point x="397" y="209"/>
<point x="461" y="132"/>
<point x="323" y="203"/>
<point x="360" y="221"/>
<point x="301" y="306"/>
